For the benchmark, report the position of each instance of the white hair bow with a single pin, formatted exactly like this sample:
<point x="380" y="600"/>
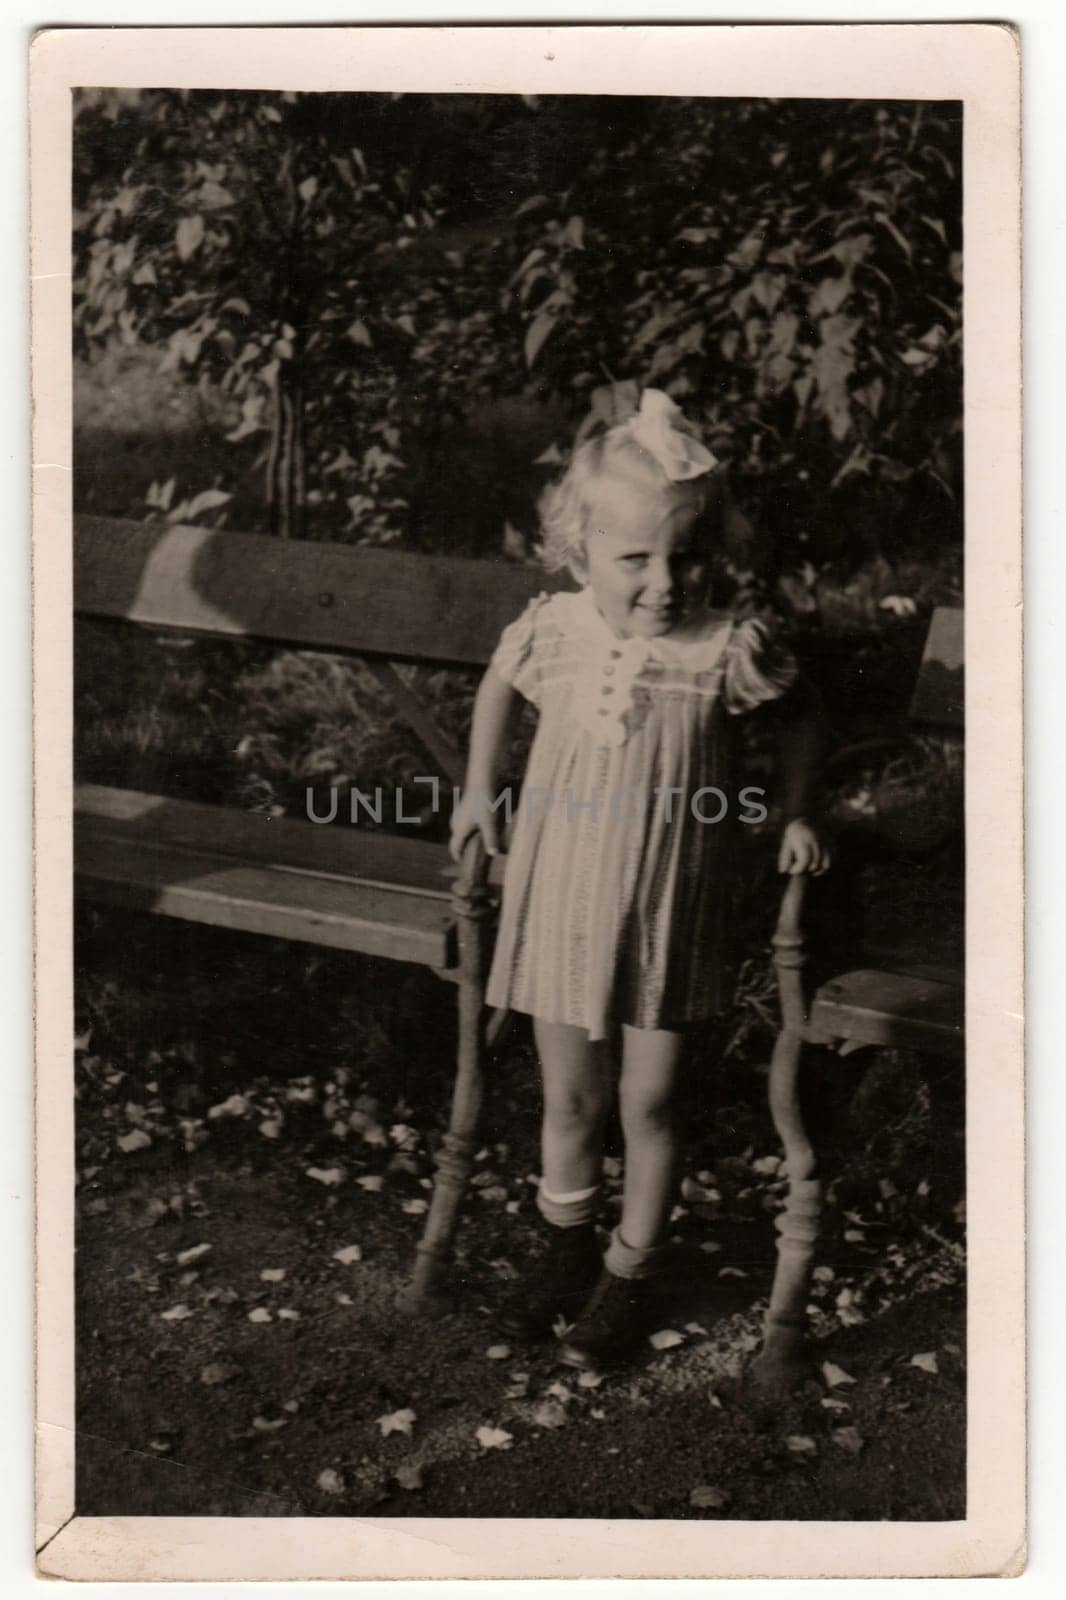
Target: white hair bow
<point x="661" y="429"/>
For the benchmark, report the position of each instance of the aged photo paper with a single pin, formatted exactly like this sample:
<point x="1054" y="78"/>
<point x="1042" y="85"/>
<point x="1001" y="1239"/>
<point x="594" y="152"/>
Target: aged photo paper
<point x="636" y="1190"/>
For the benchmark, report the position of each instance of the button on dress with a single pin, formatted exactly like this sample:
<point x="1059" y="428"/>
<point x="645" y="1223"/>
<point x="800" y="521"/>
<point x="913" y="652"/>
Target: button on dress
<point x="614" y="898"/>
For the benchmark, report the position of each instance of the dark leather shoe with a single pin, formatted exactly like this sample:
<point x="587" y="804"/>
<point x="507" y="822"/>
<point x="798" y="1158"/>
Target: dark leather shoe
<point x="612" y="1322"/>
<point x="564" y="1276"/>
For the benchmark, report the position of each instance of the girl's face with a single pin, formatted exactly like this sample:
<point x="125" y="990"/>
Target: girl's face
<point x="646" y="561"/>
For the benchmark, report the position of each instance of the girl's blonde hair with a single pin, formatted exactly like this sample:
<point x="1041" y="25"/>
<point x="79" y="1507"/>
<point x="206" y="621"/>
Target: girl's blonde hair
<point x="565" y="506"/>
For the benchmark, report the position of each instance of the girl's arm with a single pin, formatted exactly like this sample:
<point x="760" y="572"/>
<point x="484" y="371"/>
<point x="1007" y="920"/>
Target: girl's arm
<point x="803" y="737"/>
<point x="490" y="733"/>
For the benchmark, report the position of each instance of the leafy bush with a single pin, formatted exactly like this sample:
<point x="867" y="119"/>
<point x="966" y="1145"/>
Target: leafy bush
<point x="355" y="272"/>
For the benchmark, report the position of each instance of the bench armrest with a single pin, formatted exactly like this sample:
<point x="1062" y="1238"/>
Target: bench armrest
<point x="790" y="954"/>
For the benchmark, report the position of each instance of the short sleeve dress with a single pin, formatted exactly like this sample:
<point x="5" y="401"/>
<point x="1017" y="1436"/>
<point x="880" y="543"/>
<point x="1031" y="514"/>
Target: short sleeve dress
<point x="614" y="903"/>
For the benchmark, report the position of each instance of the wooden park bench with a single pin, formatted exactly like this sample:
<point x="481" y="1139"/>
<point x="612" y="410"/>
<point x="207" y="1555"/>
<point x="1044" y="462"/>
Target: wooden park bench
<point x="894" y="998"/>
<point x="398" y="896"/>
<point x="344" y="887"/>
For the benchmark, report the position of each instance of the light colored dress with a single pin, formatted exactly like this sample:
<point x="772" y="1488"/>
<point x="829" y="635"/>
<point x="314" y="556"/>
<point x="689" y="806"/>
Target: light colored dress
<point x="614" y="900"/>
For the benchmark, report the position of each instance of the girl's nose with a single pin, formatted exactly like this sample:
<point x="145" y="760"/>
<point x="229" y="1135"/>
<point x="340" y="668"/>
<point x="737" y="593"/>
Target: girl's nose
<point x="660" y="578"/>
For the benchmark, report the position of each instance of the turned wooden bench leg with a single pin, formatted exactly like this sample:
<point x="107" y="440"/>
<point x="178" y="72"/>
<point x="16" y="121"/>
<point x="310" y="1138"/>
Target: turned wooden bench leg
<point x="456" y="1154"/>
<point x="781" y="1360"/>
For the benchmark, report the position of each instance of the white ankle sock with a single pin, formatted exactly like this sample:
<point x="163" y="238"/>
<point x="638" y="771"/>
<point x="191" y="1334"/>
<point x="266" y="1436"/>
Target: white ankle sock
<point x="569" y="1199"/>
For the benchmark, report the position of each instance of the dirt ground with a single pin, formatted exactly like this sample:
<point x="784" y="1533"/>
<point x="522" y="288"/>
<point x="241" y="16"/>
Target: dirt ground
<point x="255" y="1135"/>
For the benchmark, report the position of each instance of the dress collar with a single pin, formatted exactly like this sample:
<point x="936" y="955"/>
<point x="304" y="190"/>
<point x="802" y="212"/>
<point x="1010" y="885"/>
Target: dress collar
<point x="696" y="645"/>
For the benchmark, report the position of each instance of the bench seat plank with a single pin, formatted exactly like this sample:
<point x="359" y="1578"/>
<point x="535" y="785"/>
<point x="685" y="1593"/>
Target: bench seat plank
<point x="890" y="1008"/>
<point x="394" y="862"/>
<point x="145" y="874"/>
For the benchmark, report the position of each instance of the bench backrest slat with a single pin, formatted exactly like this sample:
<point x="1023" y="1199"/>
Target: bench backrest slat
<point x="319" y="596"/>
<point x="939" y="692"/>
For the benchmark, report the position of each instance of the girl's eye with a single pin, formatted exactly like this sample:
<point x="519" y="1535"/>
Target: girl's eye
<point x="633" y="561"/>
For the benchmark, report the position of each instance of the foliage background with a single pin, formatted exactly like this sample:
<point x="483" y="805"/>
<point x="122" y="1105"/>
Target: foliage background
<point x="379" y="318"/>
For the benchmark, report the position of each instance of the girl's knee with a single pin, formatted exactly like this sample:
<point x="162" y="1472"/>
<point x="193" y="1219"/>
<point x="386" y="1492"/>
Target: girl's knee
<point x="646" y="1110"/>
<point x="571" y="1110"/>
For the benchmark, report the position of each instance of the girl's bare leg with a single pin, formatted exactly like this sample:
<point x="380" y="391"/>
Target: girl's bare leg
<point x="651" y="1060"/>
<point x="576" y="1100"/>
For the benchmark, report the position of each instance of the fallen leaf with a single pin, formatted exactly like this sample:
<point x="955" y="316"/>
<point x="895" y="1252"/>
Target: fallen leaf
<point x="835" y="1405"/>
<point x="330" y="1482"/>
<point x="271" y="1128"/>
<point x="176" y="1314"/>
<point x="494" y="1438"/>
<point x="834" y="1375"/>
<point x="854" y="1236"/>
<point x="137" y="1140"/>
<point x="273" y="1274"/>
<point x="373" y="1183"/>
<point x="264" y="1425"/>
<point x="731" y="1272"/>
<point x="801" y="1444"/>
<point x="235" y="1106"/>
<point x="409" y="1476"/>
<point x="330" y="1176"/>
<point x="549" y="1414"/>
<point x="709" y="1247"/>
<point x="415" y="1208"/>
<point x="260" y="1314"/>
<point x="218" y="1372"/>
<point x="498" y="1352"/>
<point x="849" y="1439"/>
<point x="823" y="1274"/>
<point x="696" y="1328"/>
<point x="560" y="1391"/>
<point x="287" y="1314"/>
<point x="291" y="1405"/>
<point x="349" y="1254"/>
<point x="153" y="1212"/>
<point x="196" y="1253"/>
<point x="589" y="1379"/>
<point x="706" y="1498"/>
<point x="694" y="1193"/>
<point x="666" y="1339"/>
<point x="766" y="1166"/>
<point x="396" y="1422"/>
<point x="344" y="1299"/>
<point x="927" y="1361"/>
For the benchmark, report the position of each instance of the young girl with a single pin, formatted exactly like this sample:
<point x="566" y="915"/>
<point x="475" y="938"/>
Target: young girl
<point x="612" y="914"/>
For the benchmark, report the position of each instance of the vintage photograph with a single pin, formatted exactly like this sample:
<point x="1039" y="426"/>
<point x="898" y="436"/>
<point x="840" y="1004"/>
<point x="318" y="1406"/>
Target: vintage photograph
<point x="515" y="543"/>
<point x="519" y="815"/>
